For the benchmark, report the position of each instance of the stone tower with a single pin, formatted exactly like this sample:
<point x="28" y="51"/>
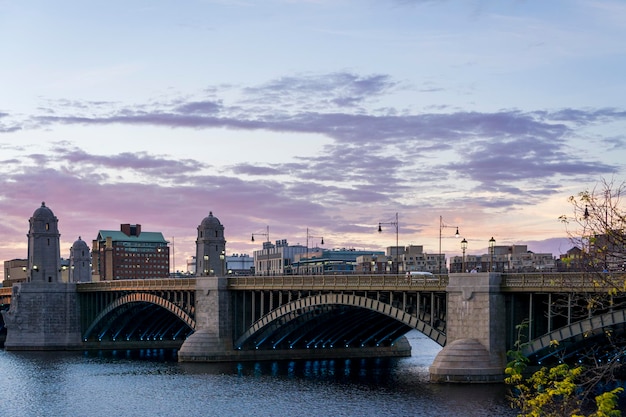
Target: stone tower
<point x="210" y="248"/>
<point x="80" y="262"/>
<point x="44" y="256"/>
<point x="44" y="312"/>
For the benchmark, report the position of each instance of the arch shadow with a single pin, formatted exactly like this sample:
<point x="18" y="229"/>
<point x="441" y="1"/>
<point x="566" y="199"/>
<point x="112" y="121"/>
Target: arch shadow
<point x="128" y="299"/>
<point x="298" y="312"/>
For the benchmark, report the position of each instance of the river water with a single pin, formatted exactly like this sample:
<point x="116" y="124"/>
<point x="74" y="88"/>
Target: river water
<point x="151" y="383"/>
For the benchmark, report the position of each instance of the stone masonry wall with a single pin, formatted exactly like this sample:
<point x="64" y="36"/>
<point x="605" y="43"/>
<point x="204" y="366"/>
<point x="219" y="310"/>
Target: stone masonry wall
<point x="43" y="316"/>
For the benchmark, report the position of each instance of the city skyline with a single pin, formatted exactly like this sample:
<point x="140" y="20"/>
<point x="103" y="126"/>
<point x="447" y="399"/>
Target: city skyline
<point x="327" y="116"/>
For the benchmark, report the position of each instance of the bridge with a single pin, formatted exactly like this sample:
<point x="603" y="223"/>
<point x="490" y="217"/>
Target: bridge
<point x="474" y="317"/>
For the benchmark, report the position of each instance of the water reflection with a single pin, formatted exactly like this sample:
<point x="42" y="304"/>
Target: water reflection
<point x="152" y="383"/>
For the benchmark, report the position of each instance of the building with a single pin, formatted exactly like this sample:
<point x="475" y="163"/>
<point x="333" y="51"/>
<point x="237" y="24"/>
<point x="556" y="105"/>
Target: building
<point x="513" y="258"/>
<point x="191" y="265"/>
<point x="400" y="260"/>
<point x="130" y="253"/>
<point x="239" y="264"/>
<point x="335" y="261"/>
<point x="607" y="251"/>
<point x="276" y="259"/>
<point x="414" y="258"/>
<point x="15" y="271"/>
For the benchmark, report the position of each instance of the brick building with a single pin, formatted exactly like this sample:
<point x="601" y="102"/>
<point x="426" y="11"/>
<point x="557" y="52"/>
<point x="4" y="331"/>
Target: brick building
<point x="130" y="253"/>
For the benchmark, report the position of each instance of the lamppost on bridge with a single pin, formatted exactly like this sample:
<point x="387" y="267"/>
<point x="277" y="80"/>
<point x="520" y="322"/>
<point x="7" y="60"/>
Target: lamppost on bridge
<point x="267" y="235"/>
<point x="380" y="230"/>
<point x="492" y="252"/>
<point x="463" y="248"/>
<point x="442" y="226"/>
<point x="310" y="237"/>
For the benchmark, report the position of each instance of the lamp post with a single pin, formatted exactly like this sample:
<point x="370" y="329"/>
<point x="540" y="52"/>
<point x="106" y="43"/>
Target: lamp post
<point x="380" y="230"/>
<point x="308" y="237"/>
<point x="442" y="226"/>
<point x="463" y="247"/>
<point x="492" y="250"/>
<point x="267" y="235"/>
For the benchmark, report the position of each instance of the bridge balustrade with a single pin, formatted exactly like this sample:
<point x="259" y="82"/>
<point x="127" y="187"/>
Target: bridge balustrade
<point x="338" y="282"/>
<point x="563" y="282"/>
<point x="166" y="284"/>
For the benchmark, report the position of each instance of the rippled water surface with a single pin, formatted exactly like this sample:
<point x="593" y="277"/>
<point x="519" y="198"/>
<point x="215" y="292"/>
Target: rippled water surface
<point x="151" y="383"/>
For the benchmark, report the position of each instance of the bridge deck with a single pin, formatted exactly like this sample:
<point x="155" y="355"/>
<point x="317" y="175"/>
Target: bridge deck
<point x="524" y="282"/>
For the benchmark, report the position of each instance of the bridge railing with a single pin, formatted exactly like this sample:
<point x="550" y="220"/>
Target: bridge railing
<point x="338" y="282"/>
<point x="139" y="285"/>
<point x="564" y="281"/>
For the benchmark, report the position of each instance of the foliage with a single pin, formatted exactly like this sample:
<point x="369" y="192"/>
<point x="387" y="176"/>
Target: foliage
<point x="597" y="230"/>
<point x="555" y="391"/>
<point x="597" y="227"/>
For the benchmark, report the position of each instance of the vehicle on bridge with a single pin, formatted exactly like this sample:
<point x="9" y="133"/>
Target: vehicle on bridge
<point x="419" y="276"/>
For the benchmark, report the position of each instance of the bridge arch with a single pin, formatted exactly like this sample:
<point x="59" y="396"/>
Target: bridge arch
<point x="576" y="332"/>
<point x="121" y="306"/>
<point x="294" y="317"/>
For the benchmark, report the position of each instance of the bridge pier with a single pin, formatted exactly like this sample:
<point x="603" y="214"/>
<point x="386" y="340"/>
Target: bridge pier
<point x="212" y="340"/>
<point x="475" y="350"/>
<point x="43" y="316"/>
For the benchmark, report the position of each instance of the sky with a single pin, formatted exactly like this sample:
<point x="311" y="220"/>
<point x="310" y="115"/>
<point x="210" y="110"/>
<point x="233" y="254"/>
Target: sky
<point x="323" y="115"/>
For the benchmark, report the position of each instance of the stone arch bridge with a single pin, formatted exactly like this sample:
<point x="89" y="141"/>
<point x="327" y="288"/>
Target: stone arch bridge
<point x="473" y="316"/>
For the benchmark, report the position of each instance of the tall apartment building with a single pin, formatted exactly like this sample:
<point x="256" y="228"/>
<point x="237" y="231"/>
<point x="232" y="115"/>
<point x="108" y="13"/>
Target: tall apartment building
<point x="130" y="253"/>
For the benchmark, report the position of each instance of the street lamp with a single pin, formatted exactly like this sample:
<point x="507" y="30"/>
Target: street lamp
<point x="463" y="247"/>
<point x="442" y="226"/>
<point x="267" y="235"/>
<point x="492" y="250"/>
<point x="308" y="237"/>
<point x="380" y="230"/>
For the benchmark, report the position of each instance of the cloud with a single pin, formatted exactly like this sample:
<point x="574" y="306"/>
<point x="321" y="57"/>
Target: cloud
<point x="373" y="161"/>
<point x="497" y="151"/>
<point x="139" y="161"/>
<point x="7" y="127"/>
